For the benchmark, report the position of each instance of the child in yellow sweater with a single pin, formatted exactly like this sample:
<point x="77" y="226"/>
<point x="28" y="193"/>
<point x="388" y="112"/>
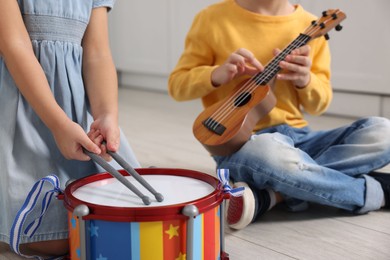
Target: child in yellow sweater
<point x="284" y="159"/>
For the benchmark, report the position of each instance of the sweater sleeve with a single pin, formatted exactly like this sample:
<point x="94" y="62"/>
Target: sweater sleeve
<point x="316" y="97"/>
<point x="191" y="78"/>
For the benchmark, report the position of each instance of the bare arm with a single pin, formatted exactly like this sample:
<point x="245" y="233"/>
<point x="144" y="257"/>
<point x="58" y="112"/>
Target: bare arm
<point x="16" y="49"/>
<point x="101" y="80"/>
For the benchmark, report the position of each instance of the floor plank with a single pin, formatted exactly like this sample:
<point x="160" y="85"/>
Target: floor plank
<point x="319" y="233"/>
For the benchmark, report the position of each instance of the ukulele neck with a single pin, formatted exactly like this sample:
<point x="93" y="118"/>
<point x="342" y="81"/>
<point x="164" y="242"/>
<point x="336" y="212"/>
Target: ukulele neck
<point x="270" y="70"/>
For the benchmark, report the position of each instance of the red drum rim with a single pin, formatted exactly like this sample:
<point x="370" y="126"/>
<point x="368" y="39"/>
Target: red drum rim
<point x="134" y="214"/>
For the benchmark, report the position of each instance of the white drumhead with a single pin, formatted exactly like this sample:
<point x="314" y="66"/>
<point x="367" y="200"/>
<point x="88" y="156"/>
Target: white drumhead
<point x="175" y="189"/>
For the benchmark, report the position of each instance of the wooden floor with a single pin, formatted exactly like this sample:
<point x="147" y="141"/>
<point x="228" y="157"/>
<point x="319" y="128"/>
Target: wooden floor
<point x="160" y="132"/>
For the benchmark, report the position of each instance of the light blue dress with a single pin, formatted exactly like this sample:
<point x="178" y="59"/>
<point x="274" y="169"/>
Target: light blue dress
<point x="27" y="149"/>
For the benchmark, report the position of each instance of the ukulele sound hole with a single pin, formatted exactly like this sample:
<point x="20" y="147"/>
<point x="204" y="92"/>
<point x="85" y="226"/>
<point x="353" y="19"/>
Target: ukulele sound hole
<point x="242" y="99"/>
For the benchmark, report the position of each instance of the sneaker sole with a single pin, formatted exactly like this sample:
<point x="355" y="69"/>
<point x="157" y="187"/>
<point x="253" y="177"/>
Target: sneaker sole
<point x="248" y="208"/>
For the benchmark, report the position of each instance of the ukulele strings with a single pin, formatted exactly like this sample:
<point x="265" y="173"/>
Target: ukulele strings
<point x="308" y="32"/>
<point x="252" y="84"/>
<point x="227" y="108"/>
<point x="249" y="87"/>
<point x="236" y="100"/>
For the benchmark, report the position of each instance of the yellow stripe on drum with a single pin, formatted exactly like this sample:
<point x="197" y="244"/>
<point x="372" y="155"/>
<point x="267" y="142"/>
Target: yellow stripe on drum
<point x="151" y="240"/>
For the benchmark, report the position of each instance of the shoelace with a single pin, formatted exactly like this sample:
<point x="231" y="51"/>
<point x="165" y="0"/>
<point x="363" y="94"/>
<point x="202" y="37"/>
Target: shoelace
<point x="223" y="176"/>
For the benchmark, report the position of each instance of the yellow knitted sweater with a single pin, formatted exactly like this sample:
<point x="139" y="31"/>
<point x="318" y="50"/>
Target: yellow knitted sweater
<point x="221" y="29"/>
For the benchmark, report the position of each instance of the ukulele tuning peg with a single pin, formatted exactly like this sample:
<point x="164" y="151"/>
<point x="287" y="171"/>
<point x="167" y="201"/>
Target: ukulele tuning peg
<point x="338" y="27"/>
<point x="326" y="36"/>
<point x="324" y="13"/>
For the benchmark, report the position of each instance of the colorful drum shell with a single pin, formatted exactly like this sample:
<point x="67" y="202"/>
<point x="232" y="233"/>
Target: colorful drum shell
<point x="147" y="232"/>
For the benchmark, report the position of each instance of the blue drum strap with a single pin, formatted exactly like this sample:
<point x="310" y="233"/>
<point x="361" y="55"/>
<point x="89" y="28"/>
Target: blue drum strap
<point x="223" y="176"/>
<point x="28" y="206"/>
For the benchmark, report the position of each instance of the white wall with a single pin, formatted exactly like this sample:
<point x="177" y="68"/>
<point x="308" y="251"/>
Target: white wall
<point x="360" y="56"/>
<point x="147" y="41"/>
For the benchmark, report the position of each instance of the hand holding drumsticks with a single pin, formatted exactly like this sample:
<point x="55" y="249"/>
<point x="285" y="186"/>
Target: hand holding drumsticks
<point x="98" y="138"/>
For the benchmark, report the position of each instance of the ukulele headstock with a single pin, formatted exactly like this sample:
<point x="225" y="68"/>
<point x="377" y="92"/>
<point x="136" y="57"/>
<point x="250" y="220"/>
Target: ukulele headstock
<point x="330" y="19"/>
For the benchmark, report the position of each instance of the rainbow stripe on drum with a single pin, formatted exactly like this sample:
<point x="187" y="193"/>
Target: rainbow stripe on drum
<point x="165" y="240"/>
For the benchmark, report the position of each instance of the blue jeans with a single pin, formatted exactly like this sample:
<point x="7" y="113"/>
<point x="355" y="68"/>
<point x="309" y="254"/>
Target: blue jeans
<point x="327" y="167"/>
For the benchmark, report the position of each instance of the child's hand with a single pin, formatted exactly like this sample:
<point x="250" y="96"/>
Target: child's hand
<point x="240" y="62"/>
<point x="296" y="67"/>
<point x="105" y="129"/>
<point x="71" y="139"/>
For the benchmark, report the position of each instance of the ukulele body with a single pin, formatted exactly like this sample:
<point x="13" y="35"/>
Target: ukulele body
<point x="232" y="127"/>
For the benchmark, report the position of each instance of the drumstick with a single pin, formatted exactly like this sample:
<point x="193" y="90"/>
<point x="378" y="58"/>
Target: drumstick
<point x="159" y="197"/>
<point x="117" y="175"/>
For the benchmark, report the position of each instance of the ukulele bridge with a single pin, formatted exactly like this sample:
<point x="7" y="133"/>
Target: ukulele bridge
<point x="214" y="126"/>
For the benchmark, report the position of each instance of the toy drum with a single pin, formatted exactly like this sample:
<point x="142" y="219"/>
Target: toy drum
<point x="108" y="221"/>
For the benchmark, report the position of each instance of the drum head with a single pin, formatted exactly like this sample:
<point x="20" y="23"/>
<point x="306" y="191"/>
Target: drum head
<point x="107" y="198"/>
<point x="175" y="189"/>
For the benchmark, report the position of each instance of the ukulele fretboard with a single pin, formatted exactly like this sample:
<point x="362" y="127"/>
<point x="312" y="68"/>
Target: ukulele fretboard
<point x="272" y="67"/>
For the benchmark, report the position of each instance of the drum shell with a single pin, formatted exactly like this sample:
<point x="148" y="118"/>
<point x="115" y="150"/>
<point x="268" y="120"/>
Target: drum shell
<point x="149" y="232"/>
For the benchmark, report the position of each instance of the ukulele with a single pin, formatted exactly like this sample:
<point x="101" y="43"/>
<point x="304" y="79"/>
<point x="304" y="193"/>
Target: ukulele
<point x="224" y="127"/>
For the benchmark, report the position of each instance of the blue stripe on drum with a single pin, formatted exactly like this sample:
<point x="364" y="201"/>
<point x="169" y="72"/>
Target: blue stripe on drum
<point x="198" y="237"/>
<point x="135" y="241"/>
<point x="109" y="240"/>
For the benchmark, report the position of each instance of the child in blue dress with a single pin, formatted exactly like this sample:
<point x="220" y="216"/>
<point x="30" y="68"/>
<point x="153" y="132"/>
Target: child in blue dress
<point x="58" y="94"/>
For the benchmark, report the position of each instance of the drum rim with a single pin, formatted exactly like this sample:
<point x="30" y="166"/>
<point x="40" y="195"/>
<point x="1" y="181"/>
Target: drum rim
<point x="111" y="213"/>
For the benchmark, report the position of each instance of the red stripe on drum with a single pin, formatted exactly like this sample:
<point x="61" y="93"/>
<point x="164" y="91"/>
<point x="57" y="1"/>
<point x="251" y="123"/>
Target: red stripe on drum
<point x="209" y="235"/>
<point x="172" y="238"/>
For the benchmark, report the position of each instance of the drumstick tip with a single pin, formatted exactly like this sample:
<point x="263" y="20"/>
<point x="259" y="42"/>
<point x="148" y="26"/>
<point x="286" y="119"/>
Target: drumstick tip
<point x="146" y="200"/>
<point x="159" y="197"/>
